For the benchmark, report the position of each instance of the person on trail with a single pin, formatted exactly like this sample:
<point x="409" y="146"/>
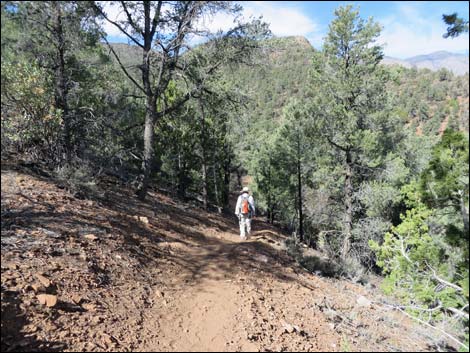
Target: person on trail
<point x="245" y="210"/>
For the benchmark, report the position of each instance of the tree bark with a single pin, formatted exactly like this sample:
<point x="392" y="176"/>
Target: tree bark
<point x="299" y="186"/>
<point x="348" y="205"/>
<point x="464" y="212"/>
<point x="149" y="140"/>
<point x="216" y="188"/>
<point x="150" y="107"/>
<point x="61" y="90"/>
<point x="226" y="190"/>
<point x="181" y="177"/>
<point x="204" y="158"/>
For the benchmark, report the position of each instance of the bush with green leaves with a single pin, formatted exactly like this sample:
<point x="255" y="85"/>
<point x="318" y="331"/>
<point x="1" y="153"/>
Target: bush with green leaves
<point x="30" y="120"/>
<point x="425" y="257"/>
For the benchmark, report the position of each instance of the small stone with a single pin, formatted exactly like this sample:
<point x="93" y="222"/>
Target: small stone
<point x="38" y="287"/>
<point x="12" y="266"/>
<point x="107" y="339"/>
<point x="77" y="299"/>
<point x="89" y="307"/>
<point x="89" y="346"/>
<point x="73" y="251"/>
<point x="363" y="301"/>
<point x="45" y="281"/>
<point x="90" y="236"/>
<point x="289" y="328"/>
<point x="144" y="219"/>
<point x="96" y="320"/>
<point x="47" y="299"/>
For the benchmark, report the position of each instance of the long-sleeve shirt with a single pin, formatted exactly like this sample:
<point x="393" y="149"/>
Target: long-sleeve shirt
<point x="239" y="204"/>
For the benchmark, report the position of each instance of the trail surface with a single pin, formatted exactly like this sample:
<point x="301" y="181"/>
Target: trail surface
<point x="161" y="275"/>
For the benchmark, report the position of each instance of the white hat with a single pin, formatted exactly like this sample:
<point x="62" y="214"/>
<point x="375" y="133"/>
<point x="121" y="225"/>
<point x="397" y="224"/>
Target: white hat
<point x="245" y="189"/>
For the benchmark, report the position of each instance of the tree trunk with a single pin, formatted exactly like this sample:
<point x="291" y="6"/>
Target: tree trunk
<point x="149" y="140"/>
<point x="239" y="179"/>
<point x="61" y="82"/>
<point x="464" y="212"/>
<point x="181" y="177"/>
<point x="269" y="207"/>
<point x="299" y="186"/>
<point x="204" y="158"/>
<point x="226" y="190"/>
<point x="349" y="206"/>
<point x="150" y="108"/>
<point x="216" y="189"/>
<point x="204" y="181"/>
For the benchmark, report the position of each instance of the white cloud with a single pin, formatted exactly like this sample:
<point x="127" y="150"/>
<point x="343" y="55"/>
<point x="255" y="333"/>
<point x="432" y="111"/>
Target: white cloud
<point x="114" y="13"/>
<point x="283" y="20"/>
<point x="413" y="31"/>
<point x="410" y="30"/>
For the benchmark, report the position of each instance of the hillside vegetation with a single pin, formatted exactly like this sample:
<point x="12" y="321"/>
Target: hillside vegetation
<point x="122" y="163"/>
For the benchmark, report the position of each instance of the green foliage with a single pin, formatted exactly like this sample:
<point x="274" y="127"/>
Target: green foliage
<point x="445" y="179"/>
<point x="425" y="256"/>
<point x="29" y="117"/>
<point x="353" y="120"/>
<point x="457" y="25"/>
<point x="366" y="143"/>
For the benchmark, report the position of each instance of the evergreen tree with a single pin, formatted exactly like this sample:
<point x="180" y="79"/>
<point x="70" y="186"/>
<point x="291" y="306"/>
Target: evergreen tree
<point x="349" y="106"/>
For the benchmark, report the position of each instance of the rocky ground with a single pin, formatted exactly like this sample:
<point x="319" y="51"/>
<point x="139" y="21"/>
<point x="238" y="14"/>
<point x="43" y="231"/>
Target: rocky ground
<point x="116" y="274"/>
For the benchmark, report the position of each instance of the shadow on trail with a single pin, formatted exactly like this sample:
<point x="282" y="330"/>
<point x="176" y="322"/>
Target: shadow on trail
<point x="13" y="321"/>
<point x="203" y="245"/>
<point x="208" y="243"/>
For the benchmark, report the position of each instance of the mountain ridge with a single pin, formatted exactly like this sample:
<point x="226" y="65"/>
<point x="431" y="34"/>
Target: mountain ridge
<point x="434" y="61"/>
<point x="457" y="63"/>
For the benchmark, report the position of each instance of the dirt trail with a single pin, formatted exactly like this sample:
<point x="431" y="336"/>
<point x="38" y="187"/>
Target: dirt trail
<point x="164" y="276"/>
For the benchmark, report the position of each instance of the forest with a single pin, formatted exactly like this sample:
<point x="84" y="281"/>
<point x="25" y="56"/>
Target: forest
<point x="363" y="162"/>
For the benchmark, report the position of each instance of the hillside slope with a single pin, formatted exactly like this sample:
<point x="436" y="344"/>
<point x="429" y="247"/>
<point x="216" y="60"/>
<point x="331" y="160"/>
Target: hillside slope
<point x="164" y="276"/>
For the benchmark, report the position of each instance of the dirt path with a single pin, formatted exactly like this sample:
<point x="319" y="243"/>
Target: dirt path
<point x="205" y="318"/>
<point x="165" y="276"/>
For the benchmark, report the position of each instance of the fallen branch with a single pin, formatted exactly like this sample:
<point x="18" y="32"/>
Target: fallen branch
<point x="396" y="307"/>
<point x="458" y="312"/>
<point x="443" y="281"/>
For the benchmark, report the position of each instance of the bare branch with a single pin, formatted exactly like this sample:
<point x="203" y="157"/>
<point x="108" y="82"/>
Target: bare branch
<point x="122" y="66"/>
<point x="336" y="145"/>
<point x="156" y="19"/>
<point x="458" y="312"/>
<point x="129" y="18"/>
<point x="443" y="281"/>
<point x="402" y="248"/>
<point x="97" y="8"/>
<point x="438" y="329"/>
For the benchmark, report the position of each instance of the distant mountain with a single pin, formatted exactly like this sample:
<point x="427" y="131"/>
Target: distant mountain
<point x="457" y="63"/>
<point x="281" y="72"/>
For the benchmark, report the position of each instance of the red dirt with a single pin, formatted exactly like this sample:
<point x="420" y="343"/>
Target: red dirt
<point x="160" y="275"/>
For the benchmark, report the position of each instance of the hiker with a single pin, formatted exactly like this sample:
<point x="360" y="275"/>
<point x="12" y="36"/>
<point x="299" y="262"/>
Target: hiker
<point x="244" y="210"/>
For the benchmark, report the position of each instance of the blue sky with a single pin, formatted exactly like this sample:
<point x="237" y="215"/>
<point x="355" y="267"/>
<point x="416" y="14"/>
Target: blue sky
<point x="409" y="27"/>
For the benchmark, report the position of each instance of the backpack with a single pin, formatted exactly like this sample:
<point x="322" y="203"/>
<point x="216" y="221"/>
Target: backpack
<point x="245" y="205"/>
